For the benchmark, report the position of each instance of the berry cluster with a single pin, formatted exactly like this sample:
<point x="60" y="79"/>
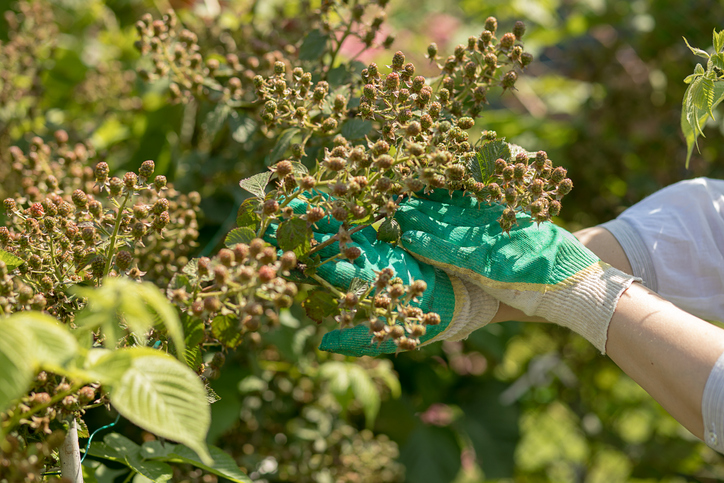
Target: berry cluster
<point x="70" y="222"/>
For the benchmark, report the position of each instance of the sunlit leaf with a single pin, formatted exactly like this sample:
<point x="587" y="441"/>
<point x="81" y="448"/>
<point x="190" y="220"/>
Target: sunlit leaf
<point x="11" y="261"/>
<point x="239" y="235"/>
<point x="320" y="304"/>
<point x="163" y="396"/>
<point x="256" y="184"/>
<point x="223" y="465"/>
<point x="226" y="329"/>
<point x="16" y="362"/>
<point x="292" y="236"/>
<point x="246" y="215"/>
<point x="698" y="52"/>
<point x="313" y="46"/>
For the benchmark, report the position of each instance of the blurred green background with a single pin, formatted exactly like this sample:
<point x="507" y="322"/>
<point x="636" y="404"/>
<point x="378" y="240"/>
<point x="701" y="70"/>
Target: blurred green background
<point x="513" y="402"/>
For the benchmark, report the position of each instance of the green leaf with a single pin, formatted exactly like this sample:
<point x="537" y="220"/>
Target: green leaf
<point x="108" y="366"/>
<point x="115" y="306"/>
<point x="53" y="346"/>
<point x="256" y="184"/>
<point x="283" y="143"/>
<point x="226" y="329"/>
<point x="179" y="281"/>
<point x="313" y="46"/>
<point x="718" y="41"/>
<point x="16" y="361"/>
<point x="389" y="231"/>
<point x="216" y="118"/>
<point x="431" y="455"/>
<point x="487" y="154"/>
<point x="241" y="127"/>
<point x="292" y="236"/>
<point x="348" y="376"/>
<point x="701" y="97"/>
<point x="239" y="235"/>
<point x="298" y="169"/>
<point x="11" y="261"/>
<point x="163" y="396"/>
<point x="247" y="216"/>
<point x="717" y="60"/>
<point x="696" y="51"/>
<point x="223" y="465"/>
<point x="320" y="304"/>
<point x="192" y="270"/>
<point x="356" y="128"/>
<point x="123" y="450"/>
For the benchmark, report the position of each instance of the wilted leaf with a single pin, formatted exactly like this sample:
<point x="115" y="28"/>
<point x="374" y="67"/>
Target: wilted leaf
<point x="239" y="235"/>
<point x="256" y="184"/>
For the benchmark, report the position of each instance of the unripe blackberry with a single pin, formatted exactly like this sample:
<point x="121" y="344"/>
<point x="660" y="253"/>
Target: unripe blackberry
<point x="431" y="318"/>
<point x="500" y="165"/>
<point x="212" y="304"/>
<point x="88" y="234"/>
<point x="160" y="206"/>
<point x="511" y="196"/>
<point x="335" y="164"/>
<point x="352" y="253"/>
<point x="396" y="290"/>
<point x="79" y="198"/>
<point x="536" y="187"/>
<point x="519" y="171"/>
<point x="518" y="29"/>
<point x="101" y="172"/>
<point x="564" y="187"/>
<point x="4" y="237"/>
<point x="161" y="220"/>
<point x="267" y="273"/>
<point x="221" y="275"/>
<point x="384" y="162"/>
<point x="509" y="79"/>
<point x="35" y="261"/>
<point x="413" y="129"/>
<point x="536" y="208"/>
<point x="241" y="252"/>
<point x="383" y="184"/>
<point x="95" y="208"/>
<point x="558" y="175"/>
<point x="417" y="288"/>
<point x="130" y="179"/>
<point x="397" y="332"/>
<point x="329" y="125"/>
<point x="270" y="207"/>
<point x="246" y="274"/>
<point x="279" y="68"/>
<point x="455" y="172"/>
<point x="268" y="255"/>
<point x="554" y="208"/>
<point x="140" y="212"/>
<point x="507" y="41"/>
<point x="491" y="24"/>
<point x="508" y="173"/>
<point x="226" y="257"/>
<point x="340" y="213"/>
<point x="115" y="186"/>
<point x="339" y="189"/>
<point x="36" y="210"/>
<point x="146" y="169"/>
<point x="197" y="308"/>
<point x="349" y="301"/>
<point x="86" y="394"/>
<point x="358" y="211"/>
<point x="203" y="266"/>
<point x="98" y="266"/>
<point x="307" y="182"/>
<point x="288" y="261"/>
<point x="526" y="58"/>
<point x="314" y="214"/>
<point x="540" y="159"/>
<point x="123" y="260"/>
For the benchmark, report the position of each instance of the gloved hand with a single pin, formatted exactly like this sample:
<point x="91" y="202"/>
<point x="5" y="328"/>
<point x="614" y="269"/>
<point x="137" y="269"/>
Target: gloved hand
<point x="462" y="305"/>
<point x="540" y="269"/>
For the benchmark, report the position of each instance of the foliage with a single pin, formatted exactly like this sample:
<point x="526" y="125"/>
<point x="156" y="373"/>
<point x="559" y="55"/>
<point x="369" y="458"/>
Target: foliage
<point x="275" y="95"/>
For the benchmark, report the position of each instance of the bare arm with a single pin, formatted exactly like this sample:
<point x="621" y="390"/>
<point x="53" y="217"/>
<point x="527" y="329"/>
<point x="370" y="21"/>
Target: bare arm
<point x="667" y="351"/>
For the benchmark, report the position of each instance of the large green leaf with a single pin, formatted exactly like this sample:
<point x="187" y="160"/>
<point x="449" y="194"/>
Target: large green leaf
<point x="16" y="362"/>
<point x="226" y="329"/>
<point x="118" y="448"/>
<point x="702" y="96"/>
<point x="246" y="215"/>
<point x="52" y="344"/>
<point x="120" y="303"/>
<point x="484" y="165"/>
<point x="431" y="455"/>
<point x="216" y="118"/>
<point x="346" y="377"/>
<point x="356" y="128"/>
<point x="292" y="236"/>
<point x="11" y="261"/>
<point x="320" y="304"/>
<point x="223" y="465"/>
<point x="163" y="396"/>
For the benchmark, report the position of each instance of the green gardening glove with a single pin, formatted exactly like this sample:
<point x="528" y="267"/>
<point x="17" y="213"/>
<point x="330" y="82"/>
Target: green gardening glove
<point x="462" y="305"/>
<point x="540" y="269"/>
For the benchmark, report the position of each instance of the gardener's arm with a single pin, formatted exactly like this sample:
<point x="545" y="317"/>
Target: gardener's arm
<point x="668" y="352"/>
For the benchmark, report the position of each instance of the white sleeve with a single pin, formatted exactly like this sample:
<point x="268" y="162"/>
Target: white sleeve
<point x="712" y="407"/>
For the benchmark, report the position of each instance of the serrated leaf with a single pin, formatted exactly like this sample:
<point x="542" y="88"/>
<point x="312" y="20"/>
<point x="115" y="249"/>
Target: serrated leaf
<point x="256" y="184"/>
<point x="223" y="465"/>
<point x="698" y="52"/>
<point x="163" y="396"/>
<point x="718" y="41"/>
<point x="699" y="69"/>
<point x="192" y="270"/>
<point x="178" y="281"/>
<point x="313" y="46"/>
<point x="16" y="362"/>
<point x="246" y="215"/>
<point x="226" y="329"/>
<point x="11" y="261"/>
<point x="693" y="117"/>
<point x="358" y="286"/>
<point x="216" y="118"/>
<point x="320" y="304"/>
<point x="241" y="127"/>
<point x="298" y="169"/>
<point x="130" y="455"/>
<point x="239" y="235"/>
<point x="356" y="128"/>
<point x="717" y="60"/>
<point x="283" y="143"/>
<point x="292" y="236"/>
<point x="484" y="165"/>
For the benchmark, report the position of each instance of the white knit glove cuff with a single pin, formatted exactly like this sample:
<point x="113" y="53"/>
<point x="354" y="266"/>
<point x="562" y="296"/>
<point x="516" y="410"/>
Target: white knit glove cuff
<point x="474" y="308"/>
<point x="586" y="302"/>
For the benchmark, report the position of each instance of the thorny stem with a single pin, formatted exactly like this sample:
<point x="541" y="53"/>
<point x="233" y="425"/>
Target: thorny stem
<point x="328" y="242"/>
<point x="327" y="285"/>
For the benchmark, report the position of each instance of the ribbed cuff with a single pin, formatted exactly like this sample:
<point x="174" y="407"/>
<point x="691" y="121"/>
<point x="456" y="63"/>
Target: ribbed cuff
<point x="633" y="246"/>
<point x="712" y="407"/>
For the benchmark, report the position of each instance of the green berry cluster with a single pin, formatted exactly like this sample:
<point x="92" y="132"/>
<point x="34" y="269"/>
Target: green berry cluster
<point x="71" y="221"/>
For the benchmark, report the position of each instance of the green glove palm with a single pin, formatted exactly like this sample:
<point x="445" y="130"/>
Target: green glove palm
<point x="462" y="305"/>
<point x="540" y="269"/>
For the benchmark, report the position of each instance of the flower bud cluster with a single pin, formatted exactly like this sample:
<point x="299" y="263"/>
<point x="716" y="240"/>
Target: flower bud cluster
<point x="71" y="221"/>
